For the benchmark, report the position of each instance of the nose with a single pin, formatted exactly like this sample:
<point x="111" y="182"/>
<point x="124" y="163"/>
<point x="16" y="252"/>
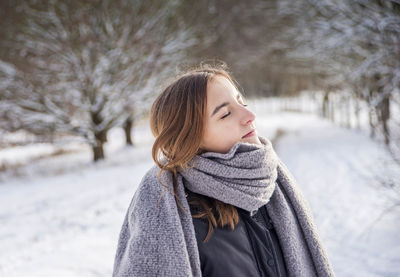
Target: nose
<point x="247" y="117"/>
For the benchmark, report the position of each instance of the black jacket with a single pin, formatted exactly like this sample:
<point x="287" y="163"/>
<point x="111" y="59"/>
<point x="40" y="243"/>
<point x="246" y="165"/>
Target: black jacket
<point x="251" y="249"/>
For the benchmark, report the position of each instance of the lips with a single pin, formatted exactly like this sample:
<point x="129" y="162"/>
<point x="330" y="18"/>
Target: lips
<point x="249" y="134"/>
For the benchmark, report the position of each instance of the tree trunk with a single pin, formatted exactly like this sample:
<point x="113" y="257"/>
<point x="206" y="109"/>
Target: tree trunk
<point x="128" y="130"/>
<point x="98" y="151"/>
<point x="331" y="110"/>
<point x="384" y="112"/>
<point x="325" y="105"/>
<point x="99" y="136"/>
<point x="357" y="112"/>
<point x="372" y="124"/>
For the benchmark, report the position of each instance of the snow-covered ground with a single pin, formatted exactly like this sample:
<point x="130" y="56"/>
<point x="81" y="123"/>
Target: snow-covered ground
<point x="61" y="215"/>
<point x="346" y="179"/>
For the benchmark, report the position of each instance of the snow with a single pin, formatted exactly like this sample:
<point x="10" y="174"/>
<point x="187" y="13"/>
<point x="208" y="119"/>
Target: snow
<point x="343" y="174"/>
<point x="61" y="215"/>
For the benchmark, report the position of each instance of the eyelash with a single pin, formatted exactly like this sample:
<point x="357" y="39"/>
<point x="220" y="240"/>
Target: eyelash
<point x="226" y="115"/>
<point x="245" y="105"/>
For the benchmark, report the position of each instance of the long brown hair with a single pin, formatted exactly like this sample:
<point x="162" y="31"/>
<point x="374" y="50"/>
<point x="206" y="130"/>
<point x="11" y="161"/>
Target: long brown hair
<point x="177" y="122"/>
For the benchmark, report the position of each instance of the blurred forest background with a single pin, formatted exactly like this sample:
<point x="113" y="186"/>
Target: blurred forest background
<point x="78" y="77"/>
<point x="79" y="68"/>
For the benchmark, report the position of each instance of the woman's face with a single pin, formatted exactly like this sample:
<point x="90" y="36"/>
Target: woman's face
<point x="227" y="121"/>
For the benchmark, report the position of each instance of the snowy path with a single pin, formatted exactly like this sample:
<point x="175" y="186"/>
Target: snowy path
<point x="337" y="170"/>
<point x="68" y="224"/>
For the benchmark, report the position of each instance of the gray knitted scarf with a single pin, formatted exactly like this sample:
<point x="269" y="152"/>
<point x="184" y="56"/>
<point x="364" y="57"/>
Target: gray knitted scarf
<point x="158" y="238"/>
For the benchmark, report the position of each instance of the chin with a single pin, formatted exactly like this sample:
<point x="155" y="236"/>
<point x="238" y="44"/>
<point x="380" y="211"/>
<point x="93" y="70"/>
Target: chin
<point x="254" y="139"/>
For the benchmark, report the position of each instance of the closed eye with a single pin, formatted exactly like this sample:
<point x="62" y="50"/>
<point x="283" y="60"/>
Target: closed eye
<point x="245" y="105"/>
<point x="226" y="115"/>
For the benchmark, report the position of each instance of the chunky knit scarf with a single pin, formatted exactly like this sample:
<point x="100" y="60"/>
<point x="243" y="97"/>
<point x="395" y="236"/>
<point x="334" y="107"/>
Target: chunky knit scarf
<point x="158" y="238"/>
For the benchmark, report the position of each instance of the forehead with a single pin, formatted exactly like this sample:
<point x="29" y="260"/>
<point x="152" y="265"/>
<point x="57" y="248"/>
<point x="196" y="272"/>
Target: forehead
<point x="220" y="88"/>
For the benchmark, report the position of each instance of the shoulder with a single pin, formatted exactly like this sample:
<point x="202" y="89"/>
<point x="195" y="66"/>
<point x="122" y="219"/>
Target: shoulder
<point x="152" y="180"/>
<point x="151" y="188"/>
<point x="149" y="227"/>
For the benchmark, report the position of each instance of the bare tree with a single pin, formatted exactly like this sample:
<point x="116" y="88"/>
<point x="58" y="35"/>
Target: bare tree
<point x="359" y="41"/>
<point x="86" y="62"/>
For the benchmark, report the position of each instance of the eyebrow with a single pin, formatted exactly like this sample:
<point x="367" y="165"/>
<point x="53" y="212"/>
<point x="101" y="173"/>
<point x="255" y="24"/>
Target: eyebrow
<point x="223" y="105"/>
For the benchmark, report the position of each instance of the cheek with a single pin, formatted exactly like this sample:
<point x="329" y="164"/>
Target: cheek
<point x="226" y="128"/>
<point x="223" y="134"/>
<point x="212" y="134"/>
<point x="220" y="137"/>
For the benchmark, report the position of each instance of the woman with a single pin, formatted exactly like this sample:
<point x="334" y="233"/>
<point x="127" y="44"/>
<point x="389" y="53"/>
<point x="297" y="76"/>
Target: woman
<point x="218" y="202"/>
